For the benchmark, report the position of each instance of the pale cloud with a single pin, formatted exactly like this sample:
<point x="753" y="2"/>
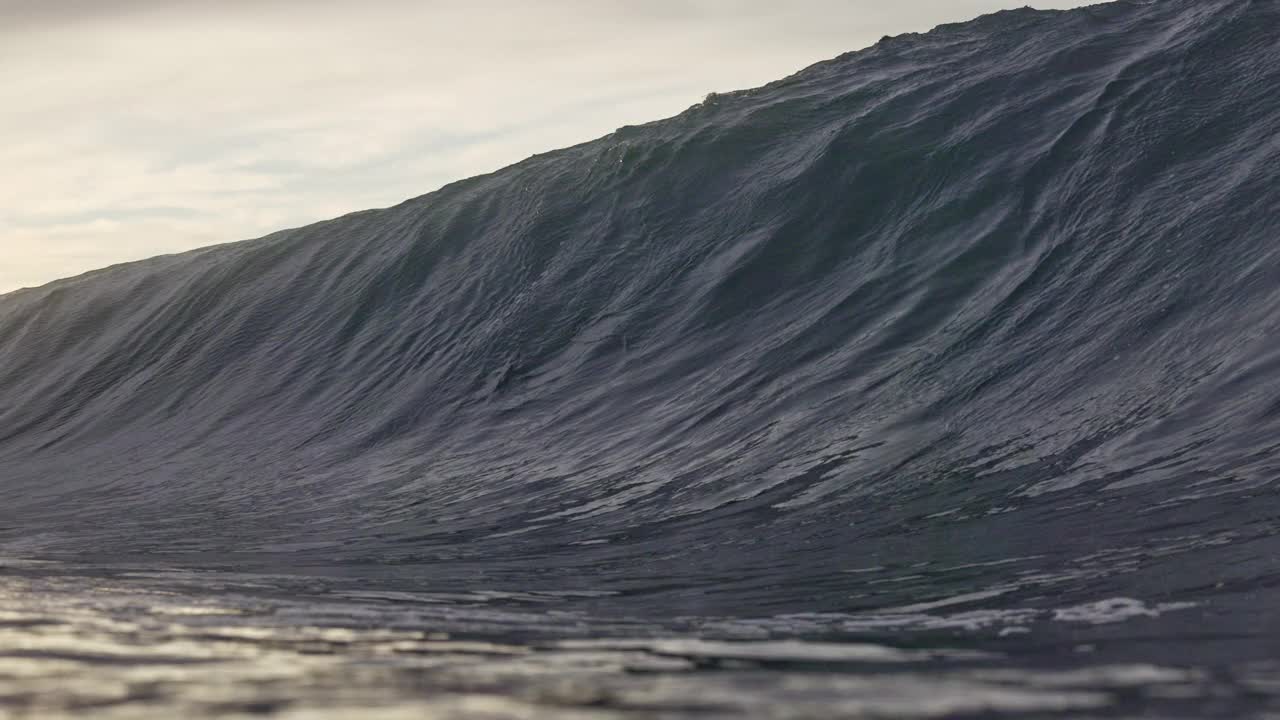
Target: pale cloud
<point x="134" y="128"/>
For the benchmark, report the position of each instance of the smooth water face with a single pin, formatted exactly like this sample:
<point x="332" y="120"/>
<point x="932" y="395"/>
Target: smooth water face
<point x="978" y="323"/>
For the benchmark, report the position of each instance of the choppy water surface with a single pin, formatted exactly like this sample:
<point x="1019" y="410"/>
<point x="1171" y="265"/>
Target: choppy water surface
<point x="938" y="378"/>
<point x="137" y="642"/>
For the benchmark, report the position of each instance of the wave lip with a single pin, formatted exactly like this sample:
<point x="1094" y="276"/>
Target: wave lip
<point x="981" y="310"/>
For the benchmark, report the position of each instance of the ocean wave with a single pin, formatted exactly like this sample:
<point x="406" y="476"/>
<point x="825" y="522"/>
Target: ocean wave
<point x="1005" y="290"/>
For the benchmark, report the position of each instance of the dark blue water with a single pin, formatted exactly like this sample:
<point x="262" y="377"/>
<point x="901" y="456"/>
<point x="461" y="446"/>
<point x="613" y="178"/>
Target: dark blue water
<point x="983" y="319"/>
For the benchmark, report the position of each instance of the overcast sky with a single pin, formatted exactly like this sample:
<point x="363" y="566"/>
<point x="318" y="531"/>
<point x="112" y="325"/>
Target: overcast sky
<point x="132" y="128"/>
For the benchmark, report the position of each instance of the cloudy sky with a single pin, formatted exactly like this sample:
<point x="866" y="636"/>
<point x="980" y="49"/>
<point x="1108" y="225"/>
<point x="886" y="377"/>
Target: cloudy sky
<point x="132" y="128"/>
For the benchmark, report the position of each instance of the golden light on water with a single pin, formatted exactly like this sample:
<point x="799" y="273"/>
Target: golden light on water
<point x="156" y="645"/>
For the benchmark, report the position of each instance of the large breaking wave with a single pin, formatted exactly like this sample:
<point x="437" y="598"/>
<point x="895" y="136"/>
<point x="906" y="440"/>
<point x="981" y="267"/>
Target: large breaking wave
<point x="988" y="310"/>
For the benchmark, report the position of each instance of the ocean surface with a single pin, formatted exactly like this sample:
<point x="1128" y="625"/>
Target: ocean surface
<point x="941" y="379"/>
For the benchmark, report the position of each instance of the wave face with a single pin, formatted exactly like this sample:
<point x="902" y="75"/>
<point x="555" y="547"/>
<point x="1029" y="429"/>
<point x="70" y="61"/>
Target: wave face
<point x="987" y="310"/>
